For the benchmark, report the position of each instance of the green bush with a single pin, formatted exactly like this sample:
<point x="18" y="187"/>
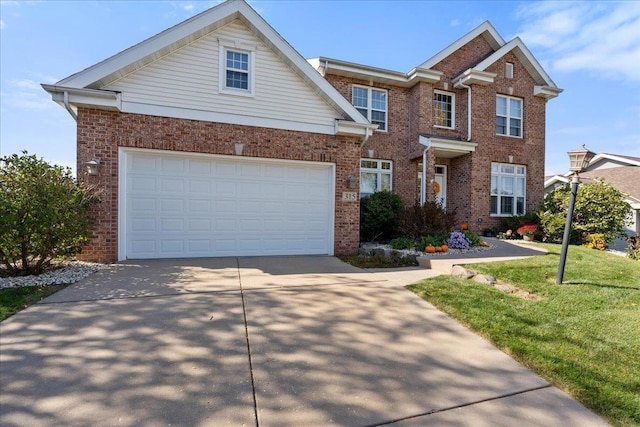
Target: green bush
<point x="43" y="214"/>
<point x="599" y="208"/>
<point x="430" y="219"/>
<point x="378" y="214"/>
<point x="401" y="243"/>
<point x="472" y="237"/>
<point x="515" y="222"/>
<point x="425" y="241"/>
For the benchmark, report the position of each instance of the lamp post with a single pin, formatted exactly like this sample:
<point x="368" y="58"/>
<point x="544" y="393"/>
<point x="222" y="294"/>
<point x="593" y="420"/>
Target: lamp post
<point x="578" y="161"/>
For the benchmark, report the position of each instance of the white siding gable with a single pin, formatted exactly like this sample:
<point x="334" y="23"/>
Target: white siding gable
<point x="185" y="84"/>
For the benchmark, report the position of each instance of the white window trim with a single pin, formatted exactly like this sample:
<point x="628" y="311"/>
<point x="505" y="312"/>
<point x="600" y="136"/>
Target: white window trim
<point x="236" y="46"/>
<point x="453" y="109"/>
<point x="369" y="103"/>
<point x="515" y="196"/>
<point x="379" y="171"/>
<point x="508" y="116"/>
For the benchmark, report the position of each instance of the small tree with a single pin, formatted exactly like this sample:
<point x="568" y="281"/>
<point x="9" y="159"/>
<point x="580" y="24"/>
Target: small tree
<point x="599" y="208"/>
<point x="378" y="213"/>
<point x="43" y="214"/>
<point x="430" y="219"/>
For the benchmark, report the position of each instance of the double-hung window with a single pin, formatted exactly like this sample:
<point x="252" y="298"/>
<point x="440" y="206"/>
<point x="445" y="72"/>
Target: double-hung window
<point x="375" y="175"/>
<point x="509" y="116"/>
<point x="372" y="104"/>
<point x="444" y="109"/>
<point x="237" y="68"/>
<point x="508" y="189"/>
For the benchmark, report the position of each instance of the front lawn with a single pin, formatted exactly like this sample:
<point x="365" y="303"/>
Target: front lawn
<point x="13" y="300"/>
<point x="583" y="335"/>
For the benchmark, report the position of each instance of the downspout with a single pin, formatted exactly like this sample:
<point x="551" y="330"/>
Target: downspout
<point x="468" y="88"/>
<point x="423" y="193"/>
<point x="68" y="106"/>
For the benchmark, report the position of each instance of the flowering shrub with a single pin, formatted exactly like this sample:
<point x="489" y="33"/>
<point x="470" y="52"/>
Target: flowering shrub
<point x="527" y="230"/>
<point x="595" y="241"/>
<point x="458" y="240"/>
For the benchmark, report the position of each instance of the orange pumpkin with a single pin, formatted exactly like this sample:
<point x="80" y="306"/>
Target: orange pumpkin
<point x="444" y="248"/>
<point x="430" y="249"/>
<point x="464" y="226"/>
<point x="438" y="249"/>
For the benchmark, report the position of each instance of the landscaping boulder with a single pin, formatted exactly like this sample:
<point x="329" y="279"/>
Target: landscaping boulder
<point x="462" y="273"/>
<point x="485" y="279"/>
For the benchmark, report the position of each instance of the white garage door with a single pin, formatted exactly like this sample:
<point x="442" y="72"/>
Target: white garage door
<point x="181" y="205"/>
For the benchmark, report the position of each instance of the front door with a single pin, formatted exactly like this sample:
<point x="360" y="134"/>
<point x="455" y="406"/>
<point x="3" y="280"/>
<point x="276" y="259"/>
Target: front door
<point x="440" y="185"/>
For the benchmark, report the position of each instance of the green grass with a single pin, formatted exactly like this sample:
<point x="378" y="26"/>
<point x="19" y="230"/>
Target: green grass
<point x="15" y="299"/>
<point x="583" y="336"/>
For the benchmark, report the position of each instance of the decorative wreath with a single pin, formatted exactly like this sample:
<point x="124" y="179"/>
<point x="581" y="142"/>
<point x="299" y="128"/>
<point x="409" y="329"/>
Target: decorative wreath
<point x="436" y="187"/>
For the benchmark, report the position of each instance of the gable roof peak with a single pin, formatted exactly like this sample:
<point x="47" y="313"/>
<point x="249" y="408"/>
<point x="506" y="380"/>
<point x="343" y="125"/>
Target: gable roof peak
<point x="486" y="29"/>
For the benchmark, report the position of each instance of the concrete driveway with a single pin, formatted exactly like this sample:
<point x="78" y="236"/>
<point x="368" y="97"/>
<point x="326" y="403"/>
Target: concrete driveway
<point x="278" y="341"/>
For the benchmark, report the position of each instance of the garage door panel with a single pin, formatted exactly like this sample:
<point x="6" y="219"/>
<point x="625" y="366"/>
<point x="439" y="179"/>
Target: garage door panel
<point x="182" y="205"/>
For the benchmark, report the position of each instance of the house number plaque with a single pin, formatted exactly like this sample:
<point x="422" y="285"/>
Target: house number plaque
<point x="349" y="196"/>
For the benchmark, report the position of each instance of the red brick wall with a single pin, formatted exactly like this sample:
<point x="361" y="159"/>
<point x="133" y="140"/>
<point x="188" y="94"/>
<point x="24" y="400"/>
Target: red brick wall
<point x="469" y="176"/>
<point x="101" y="132"/>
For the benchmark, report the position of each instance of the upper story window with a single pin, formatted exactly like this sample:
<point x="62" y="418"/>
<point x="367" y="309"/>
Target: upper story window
<point x="375" y="175"/>
<point x="509" y="116"/>
<point x="508" y="189"/>
<point x="444" y="109"/>
<point x="508" y="70"/>
<point x="372" y="104"/>
<point x="237" y="68"/>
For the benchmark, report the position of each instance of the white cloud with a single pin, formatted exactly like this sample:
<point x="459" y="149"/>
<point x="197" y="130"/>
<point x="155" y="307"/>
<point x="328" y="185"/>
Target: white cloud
<point x="2" y="24"/>
<point x="26" y="94"/>
<point x="600" y="37"/>
<point x="454" y="23"/>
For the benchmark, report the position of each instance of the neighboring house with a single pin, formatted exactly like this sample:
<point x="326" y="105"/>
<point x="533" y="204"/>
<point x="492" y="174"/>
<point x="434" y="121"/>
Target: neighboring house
<point x="622" y="172"/>
<point x="216" y="138"/>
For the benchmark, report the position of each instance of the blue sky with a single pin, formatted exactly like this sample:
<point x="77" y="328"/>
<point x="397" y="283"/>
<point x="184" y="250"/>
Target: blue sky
<point x="590" y="49"/>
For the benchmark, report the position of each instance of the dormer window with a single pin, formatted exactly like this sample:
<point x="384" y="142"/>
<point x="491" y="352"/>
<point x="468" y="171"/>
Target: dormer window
<point x="237" y="68"/>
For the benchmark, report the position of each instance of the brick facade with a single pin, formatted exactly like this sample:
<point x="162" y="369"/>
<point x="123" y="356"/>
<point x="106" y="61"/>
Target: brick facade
<point x="100" y="133"/>
<point x="411" y="114"/>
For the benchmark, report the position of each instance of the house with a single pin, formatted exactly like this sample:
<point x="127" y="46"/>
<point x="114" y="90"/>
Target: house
<point x="621" y="172"/>
<point x="216" y="138"/>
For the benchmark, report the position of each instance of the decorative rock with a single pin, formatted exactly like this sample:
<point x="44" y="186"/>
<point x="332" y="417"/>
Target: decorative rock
<point x="462" y="273"/>
<point x="485" y="279"/>
<point x="70" y="272"/>
<point x="507" y="289"/>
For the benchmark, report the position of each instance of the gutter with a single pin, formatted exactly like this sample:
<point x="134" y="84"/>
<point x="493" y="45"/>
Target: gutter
<point x="423" y="193"/>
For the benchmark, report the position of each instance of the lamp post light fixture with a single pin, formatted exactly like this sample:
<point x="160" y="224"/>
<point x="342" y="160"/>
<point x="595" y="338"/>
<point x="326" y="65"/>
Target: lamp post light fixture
<point x="578" y="161"/>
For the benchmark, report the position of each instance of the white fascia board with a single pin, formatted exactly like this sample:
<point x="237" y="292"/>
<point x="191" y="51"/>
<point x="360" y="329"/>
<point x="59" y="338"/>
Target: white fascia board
<point x="85" y="97"/>
<point x="152" y="45"/>
<point x="525" y="55"/>
<point x="491" y="35"/>
<point x="474" y="77"/>
<point x="365" y="72"/>
<point x="343" y="127"/>
<point x="448" y="144"/>
<point x="603" y="156"/>
<point x="554" y="179"/>
<point x="546" y="92"/>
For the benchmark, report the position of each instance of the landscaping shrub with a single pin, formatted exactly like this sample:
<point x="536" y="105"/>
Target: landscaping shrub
<point x="516" y="221"/>
<point x="425" y="241"/>
<point x="633" y="247"/>
<point x="43" y="214"/>
<point x="473" y="238"/>
<point x="378" y="214"/>
<point x="401" y="243"/>
<point x="599" y="208"/>
<point x="457" y="240"/>
<point x="594" y="241"/>
<point x="428" y="219"/>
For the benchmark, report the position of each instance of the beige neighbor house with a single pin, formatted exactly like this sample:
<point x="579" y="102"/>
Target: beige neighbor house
<point x="216" y="138"/>
<point x="622" y="172"/>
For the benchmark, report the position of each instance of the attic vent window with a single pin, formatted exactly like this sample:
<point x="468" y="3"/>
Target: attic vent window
<point x="509" y="70"/>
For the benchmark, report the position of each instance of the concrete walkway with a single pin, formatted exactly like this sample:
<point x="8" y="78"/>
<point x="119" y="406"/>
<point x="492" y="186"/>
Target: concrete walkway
<point x="284" y="341"/>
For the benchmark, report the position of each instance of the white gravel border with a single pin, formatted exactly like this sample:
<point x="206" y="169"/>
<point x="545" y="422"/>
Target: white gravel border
<point x="71" y="272"/>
